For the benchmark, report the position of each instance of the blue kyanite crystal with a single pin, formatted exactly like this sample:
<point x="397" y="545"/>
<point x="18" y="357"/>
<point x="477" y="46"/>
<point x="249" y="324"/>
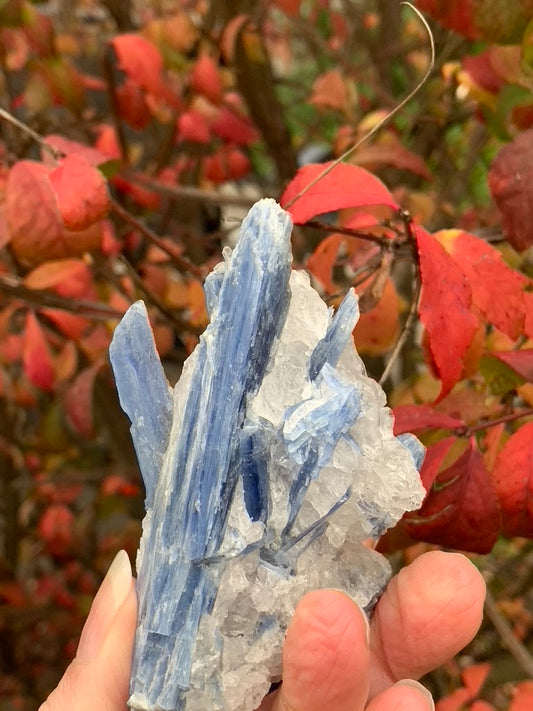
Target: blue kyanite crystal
<point x="265" y="469"/>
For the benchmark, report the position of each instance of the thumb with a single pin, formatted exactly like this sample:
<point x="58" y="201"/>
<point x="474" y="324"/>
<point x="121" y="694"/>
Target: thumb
<point x="325" y="656"/>
<point x="99" y="675"/>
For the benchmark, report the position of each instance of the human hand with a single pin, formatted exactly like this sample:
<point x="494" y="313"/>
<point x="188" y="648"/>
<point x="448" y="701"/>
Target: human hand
<point x="429" y="611"/>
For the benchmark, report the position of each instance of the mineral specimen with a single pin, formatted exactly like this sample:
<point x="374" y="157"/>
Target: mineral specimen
<point x="265" y="469"/>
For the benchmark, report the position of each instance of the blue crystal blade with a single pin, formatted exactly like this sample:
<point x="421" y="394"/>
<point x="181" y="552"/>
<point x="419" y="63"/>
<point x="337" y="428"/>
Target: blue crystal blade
<point x="143" y="390"/>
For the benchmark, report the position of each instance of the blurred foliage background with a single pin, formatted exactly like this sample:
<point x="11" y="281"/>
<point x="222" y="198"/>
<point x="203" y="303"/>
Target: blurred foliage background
<point x="193" y="110"/>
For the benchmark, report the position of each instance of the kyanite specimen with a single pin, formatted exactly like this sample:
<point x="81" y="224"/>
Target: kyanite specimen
<point x="265" y="469"/>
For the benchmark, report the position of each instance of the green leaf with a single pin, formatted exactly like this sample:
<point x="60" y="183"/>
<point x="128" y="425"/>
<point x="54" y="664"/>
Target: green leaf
<point x="500" y="378"/>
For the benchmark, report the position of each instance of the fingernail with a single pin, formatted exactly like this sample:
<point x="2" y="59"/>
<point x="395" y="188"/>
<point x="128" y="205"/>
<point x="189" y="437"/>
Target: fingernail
<point x="421" y="689"/>
<point x="113" y="591"/>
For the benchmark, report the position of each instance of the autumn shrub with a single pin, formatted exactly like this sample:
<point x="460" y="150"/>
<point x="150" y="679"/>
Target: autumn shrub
<point x="133" y="136"/>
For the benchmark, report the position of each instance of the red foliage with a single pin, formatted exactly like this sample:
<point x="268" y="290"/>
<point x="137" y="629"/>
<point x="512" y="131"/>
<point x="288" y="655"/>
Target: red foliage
<point x="445" y="309"/>
<point x="55" y="528"/>
<point x="513" y="482"/>
<point x="344" y="186"/>
<point x="510" y="179"/>
<point x="37" y="359"/>
<point x="81" y="192"/>
<point x="460" y="510"/>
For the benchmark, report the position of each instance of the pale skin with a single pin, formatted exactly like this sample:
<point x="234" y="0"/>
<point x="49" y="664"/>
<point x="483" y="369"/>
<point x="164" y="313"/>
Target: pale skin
<point x="331" y="660"/>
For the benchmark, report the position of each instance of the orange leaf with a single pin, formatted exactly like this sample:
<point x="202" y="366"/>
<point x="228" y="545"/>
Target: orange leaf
<point x="445" y="309"/>
<point x="329" y="91"/>
<point x="323" y="259"/>
<point x="377" y="329"/>
<point x="454" y="702"/>
<point x="67" y="277"/>
<point x="474" y="677"/>
<point x="522" y="697"/>
<point x="513" y="481"/>
<point x="36" y="357"/>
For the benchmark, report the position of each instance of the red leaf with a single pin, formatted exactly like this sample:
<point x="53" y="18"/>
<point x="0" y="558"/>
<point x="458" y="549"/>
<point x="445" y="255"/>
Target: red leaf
<point x="445" y="303"/>
<point x="31" y="210"/>
<point x="81" y="192"/>
<point x="233" y="128"/>
<point x="520" y="361"/>
<point x="513" y="481"/>
<point x="510" y="182"/>
<point x="497" y="290"/>
<point x="205" y="79"/>
<point x="193" y="126"/>
<point x="142" y="62"/>
<point x="132" y="106"/>
<point x="345" y="186"/>
<point x="474" y="676"/>
<point x="117" y="485"/>
<point x="528" y="323"/>
<point x="482" y="71"/>
<point x="490" y="20"/>
<point x="34" y="220"/>
<point x="139" y="59"/>
<point x="78" y="402"/>
<point x="60" y="143"/>
<point x="228" y="163"/>
<point x="56" y="529"/>
<point x="70" y="325"/>
<point x="433" y="460"/>
<point x="36" y="357"/>
<point x="419" y="418"/>
<point x="456" y="15"/>
<point x="289" y="7"/>
<point x="461" y="510"/>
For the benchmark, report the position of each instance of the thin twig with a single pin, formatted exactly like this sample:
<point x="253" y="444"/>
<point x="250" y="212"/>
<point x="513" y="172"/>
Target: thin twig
<point x="188" y="191"/>
<point x="381" y="123"/>
<point x="510" y="417"/>
<point x="406" y="331"/>
<point x="520" y="653"/>
<point x="385" y="242"/>
<point x="11" y="286"/>
<point x="56" y="155"/>
<point x="181" y="262"/>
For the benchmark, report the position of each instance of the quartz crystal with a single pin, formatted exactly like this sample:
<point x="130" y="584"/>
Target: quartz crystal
<point x="266" y="468"/>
